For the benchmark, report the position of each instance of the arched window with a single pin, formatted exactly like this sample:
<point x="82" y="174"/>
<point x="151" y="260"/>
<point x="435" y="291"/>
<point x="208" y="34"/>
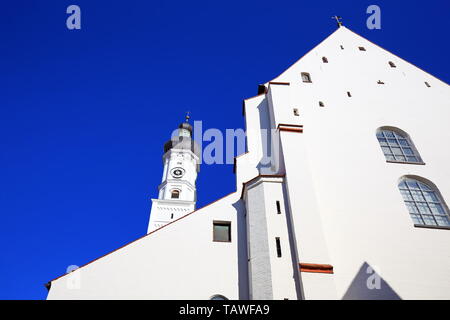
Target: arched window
<point x="424" y="202"/>
<point x="175" y="194"/>
<point x="397" y="146"/>
<point x="306" y="77"/>
<point x="218" y="297"/>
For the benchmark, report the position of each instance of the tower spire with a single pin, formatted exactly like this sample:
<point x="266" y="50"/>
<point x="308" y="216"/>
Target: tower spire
<point x="188" y="116"/>
<point x="177" y="193"/>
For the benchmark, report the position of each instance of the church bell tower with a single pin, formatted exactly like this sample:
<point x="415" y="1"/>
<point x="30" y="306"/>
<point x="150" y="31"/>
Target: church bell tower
<point x="177" y="193"/>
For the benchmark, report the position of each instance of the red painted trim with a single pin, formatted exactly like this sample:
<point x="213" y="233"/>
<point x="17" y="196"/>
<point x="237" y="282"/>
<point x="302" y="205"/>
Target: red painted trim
<point x="316" y="268"/>
<point x="290" y="125"/>
<point x="280" y="83"/>
<point x="291" y="130"/>
<point x="49" y="283"/>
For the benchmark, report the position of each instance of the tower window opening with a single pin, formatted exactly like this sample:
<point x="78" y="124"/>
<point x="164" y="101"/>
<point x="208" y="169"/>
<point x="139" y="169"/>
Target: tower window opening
<point x="392" y="64"/>
<point x="175" y="194"/>
<point x="324" y="59"/>
<point x="278" y="207"/>
<point x="342" y="47"/>
<point x="427" y="84"/>
<point x="321" y="104"/>
<point x="277" y="240"/>
<point x="362" y="49"/>
<point x="296" y="112"/>
<point x="349" y="94"/>
<point x="306" y="77"/>
<point x="171" y="216"/>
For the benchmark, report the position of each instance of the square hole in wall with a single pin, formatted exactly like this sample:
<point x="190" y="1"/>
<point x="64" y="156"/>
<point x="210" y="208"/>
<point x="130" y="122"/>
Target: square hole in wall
<point x="306" y="77"/>
<point x="222" y="231"/>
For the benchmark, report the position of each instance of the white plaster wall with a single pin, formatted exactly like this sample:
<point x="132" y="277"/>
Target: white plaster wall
<point x="260" y="273"/>
<point x="343" y="196"/>
<point x="166" y="211"/>
<point x="271" y="277"/>
<point x="179" y="261"/>
<point x="305" y="210"/>
<point x="283" y="272"/>
<point x="365" y="222"/>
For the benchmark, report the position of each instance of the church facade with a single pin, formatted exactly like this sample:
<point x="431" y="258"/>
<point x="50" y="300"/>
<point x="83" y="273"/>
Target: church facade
<point x="352" y="205"/>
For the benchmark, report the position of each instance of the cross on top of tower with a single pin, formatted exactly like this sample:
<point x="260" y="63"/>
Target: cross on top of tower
<point x="338" y="20"/>
<point x="188" y="116"/>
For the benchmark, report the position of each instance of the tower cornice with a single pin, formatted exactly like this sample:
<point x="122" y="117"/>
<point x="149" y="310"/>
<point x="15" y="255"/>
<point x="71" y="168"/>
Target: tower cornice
<point x="173" y="181"/>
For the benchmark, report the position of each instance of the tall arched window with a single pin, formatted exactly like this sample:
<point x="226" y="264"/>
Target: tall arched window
<point x="424" y="202"/>
<point x="397" y="146"/>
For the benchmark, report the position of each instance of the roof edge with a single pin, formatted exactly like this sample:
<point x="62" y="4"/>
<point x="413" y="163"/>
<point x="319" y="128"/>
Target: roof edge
<point x="49" y="283"/>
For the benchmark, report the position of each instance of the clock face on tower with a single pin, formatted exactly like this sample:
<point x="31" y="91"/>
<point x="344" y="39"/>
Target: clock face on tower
<point x="177" y="172"/>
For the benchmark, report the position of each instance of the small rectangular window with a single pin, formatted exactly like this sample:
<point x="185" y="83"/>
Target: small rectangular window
<point x="392" y="64"/>
<point x="349" y="94"/>
<point x="321" y="104"/>
<point x="427" y="84"/>
<point x="278" y="207"/>
<point x="324" y="59"/>
<point x="222" y="231"/>
<point x="278" y="247"/>
<point x="296" y="112"/>
<point x="342" y="47"/>
<point x="362" y="49"/>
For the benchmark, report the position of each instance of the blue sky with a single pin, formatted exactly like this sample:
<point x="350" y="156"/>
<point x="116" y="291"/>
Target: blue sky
<point x="84" y="114"/>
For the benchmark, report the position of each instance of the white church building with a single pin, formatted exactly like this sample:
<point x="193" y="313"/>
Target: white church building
<point x="354" y="207"/>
